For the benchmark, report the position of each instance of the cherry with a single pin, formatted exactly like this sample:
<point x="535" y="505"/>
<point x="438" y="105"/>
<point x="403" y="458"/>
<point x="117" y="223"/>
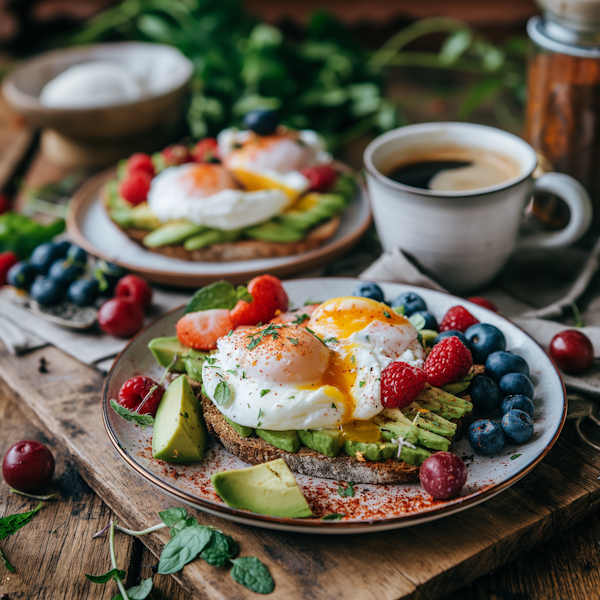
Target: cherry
<point x="27" y="466"/>
<point x="572" y="351"/>
<point x="134" y="390"/>
<point x="484" y="302"/>
<point x="443" y="475"/>
<point x="120" y="317"/>
<point x="135" y="289"/>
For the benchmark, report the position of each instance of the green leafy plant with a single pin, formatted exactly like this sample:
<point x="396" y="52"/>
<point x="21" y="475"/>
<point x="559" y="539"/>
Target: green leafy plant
<point x="10" y="525"/>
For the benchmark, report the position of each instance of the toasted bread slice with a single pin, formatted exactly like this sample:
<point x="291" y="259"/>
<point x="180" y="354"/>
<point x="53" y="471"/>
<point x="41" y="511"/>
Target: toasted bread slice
<point x="242" y="249"/>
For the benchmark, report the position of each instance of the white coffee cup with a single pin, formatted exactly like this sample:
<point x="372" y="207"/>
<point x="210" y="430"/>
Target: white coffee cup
<point x="464" y="238"/>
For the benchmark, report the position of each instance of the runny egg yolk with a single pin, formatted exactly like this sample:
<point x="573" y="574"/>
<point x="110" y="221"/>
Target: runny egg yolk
<point x="341" y="317"/>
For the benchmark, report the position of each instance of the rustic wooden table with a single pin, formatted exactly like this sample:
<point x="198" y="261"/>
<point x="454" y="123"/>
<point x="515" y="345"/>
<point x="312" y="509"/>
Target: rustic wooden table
<point x="56" y="549"/>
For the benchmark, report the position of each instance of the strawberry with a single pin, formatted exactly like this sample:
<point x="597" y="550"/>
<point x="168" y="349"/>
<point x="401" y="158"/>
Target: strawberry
<point x="4" y="204"/>
<point x="205" y="151"/>
<point x="137" y="389"/>
<point x="448" y="361"/>
<point x="298" y="317"/>
<point x="484" y="302"/>
<point x="268" y="296"/>
<point x="134" y="188"/>
<point x="202" y="329"/>
<point x="176" y="155"/>
<point x="457" y="318"/>
<point x="401" y="383"/>
<point x="321" y="178"/>
<point x="7" y="260"/>
<point x="140" y="162"/>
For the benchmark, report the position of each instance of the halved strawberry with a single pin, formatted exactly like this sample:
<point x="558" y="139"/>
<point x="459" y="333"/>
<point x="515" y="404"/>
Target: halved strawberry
<point x="299" y="316"/>
<point x="206" y="150"/>
<point x="268" y="297"/>
<point x="201" y="330"/>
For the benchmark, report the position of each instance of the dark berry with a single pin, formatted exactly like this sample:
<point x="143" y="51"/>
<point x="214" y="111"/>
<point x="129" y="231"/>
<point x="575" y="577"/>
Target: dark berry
<point x="516" y="383"/>
<point x="452" y="333"/>
<point x="21" y="275"/>
<point x="63" y="272"/>
<point x="521" y="402"/>
<point x="108" y="275"/>
<point x="369" y="290"/>
<point x="62" y="248"/>
<point x="517" y="426"/>
<point x="47" y="291"/>
<point x="430" y="321"/>
<point x="484" y="394"/>
<point x="262" y="121"/>
<point x="486" y="436"/>
<point x="84" y="292"/>
<point x="43" y="257"/>
<point x="77" y="255"/>
<point x="498" y="364"/>
<point x="120" y="317"/>
<point x="484" y="339"/>
<point x="572" y="351"/>
<point x="443" y="475"/>
<point x="412" y="303"/>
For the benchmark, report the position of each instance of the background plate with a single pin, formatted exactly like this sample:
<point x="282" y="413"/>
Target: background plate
<point x="91" y="228"/>
<point x="374" y="507"/>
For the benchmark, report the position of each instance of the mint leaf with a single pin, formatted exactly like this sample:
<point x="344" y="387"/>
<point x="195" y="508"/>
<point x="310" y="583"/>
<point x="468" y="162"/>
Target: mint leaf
<point x="138" y="592"/>
<point x="361" y="383"/>
<point x="333" y="517"/>
<point x="112" y="574"/>
<point x="220" y="549"/>
<point x="173" y="515"/>
<point x="181" y="525"/>
<point x="12" y="523"/>
<point x="252" y="574"/>
<point x="130" y="415"/>
<point x="8" y="566"/>
<point x="183" y="548"/>
<point x="222" y="394"/>
<point x="347" y="492"/>
<point x="220" y="294"/>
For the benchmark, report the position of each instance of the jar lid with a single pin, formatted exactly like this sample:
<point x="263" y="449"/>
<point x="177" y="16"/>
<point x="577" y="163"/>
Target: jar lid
<point x="555" y="38"/>
<point x="580" y="15"/>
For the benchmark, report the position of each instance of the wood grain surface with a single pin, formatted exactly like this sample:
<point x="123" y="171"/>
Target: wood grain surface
<point x="427" y="561"/>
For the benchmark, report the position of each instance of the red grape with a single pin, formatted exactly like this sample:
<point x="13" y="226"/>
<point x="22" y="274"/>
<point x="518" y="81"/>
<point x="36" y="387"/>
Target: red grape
<point x="572" y="351"/>
<point x="28" y="465"/>
<point x="443" y="475"/>
<point x="120" y="317"/>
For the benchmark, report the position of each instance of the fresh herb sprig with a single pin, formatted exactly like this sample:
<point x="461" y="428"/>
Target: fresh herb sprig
<point x="10" y="525"/>
<point x="348" y="491"/>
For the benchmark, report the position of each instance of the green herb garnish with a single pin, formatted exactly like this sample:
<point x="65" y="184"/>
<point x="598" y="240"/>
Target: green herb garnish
<point x="220" y="294"/>
<point x="300" y="319"/>
<point x="264" y="393"/>
<point x="331" y="340"/>
<point x="514" y="456"/>
<point x="130" y="415"/>
<point x="348" y="491"/>
<point x="333" y="517"/>
<point x="222" y="394"/>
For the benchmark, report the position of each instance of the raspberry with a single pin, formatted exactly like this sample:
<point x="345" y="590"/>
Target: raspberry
<point x="321" y="178"/>
<point x="134" y="390"/>
<point x="140" y="162"/>
<point x="201" y="330"/>
<point x="4" y="204"/>
<point x="457" y="318"/>
<point x="7" y="260"/>
<point x="176" y="155"/>
<point x="206" y="151"/>
<point x="401" y="383"/>
<point x="449" y="361"/>
<point x="134" y="188"/>
<point x="484" y="302"/>
<point x="268" y="296"/>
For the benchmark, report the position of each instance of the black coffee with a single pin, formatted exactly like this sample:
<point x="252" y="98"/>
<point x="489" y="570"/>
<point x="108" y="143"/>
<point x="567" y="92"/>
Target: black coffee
<point x="420" y="174"/>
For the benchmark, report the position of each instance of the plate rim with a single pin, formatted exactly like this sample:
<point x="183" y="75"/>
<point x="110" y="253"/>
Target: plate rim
<point x="319" y="526"/>
<point x="84" y="197"/>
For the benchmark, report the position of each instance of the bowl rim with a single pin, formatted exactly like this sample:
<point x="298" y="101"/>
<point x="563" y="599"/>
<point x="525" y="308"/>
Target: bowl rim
<point x="23" y="100"/>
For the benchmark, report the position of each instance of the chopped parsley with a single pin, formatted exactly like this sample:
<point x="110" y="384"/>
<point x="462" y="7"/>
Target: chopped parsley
<point x="243" y="374"/>
<point x="230" y="371"/>
<point x="259" y="424"/>
<point x="333" y="405"/>
<point x="211" y="360"/>
<point x="185" y="415"/>
<point x="222" y="394"/>
<point x="259" y="336"/>
<point x="248" y="403"/>
<point x="387" y="314"/>
<point x="331" y="340"/>
<point x="294" y="341"/>
<point x="292" y="397"/>
<point x="259" y="413"/>
<point x="311" y="331"/>
<point x="333" y="517"/>
<point x="230" y="333"/>
<point x="361" y="383"/>
<point x="300" y="319"/>
<point x="352" y="359"/>
<point x="263" y="393"/>
<point x="348" y="491"/>
<point x="514" y="456"/>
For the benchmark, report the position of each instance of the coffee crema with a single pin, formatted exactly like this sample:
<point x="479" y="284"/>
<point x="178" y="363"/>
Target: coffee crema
<point x="454" y="169"/>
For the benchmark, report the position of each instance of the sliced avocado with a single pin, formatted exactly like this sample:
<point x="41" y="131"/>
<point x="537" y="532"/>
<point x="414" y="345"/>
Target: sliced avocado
<point x="345" y="186"/>
<point x="324" y="441"/>
<point x="371" y="450"/>
<point x="327" y="206"/>
<point x="165" y="349"/>
<point x="430" y="425"/>
<point x="267" y="489"/>
<point x="460" y="386"/>
<point x="286" y="440"/>
<point x="392" y="419"/>
<point x="413" y="456"/>
<point x="272" y="231"/>
<point x="208" y="238"/>
<point x="193" y="361"/>
<point x="428" y="335"/>
<point x="173" y="232"/>
<point x="241" y="429"/>
<point x="139" y="217"/>
<point x="179" y="430"/>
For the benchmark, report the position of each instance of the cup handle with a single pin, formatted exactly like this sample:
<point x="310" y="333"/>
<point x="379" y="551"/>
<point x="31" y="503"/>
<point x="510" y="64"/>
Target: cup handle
<point x="580" y="207"/>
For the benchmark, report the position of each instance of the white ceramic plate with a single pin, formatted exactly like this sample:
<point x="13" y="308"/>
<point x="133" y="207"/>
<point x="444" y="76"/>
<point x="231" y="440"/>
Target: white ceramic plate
<point x="374" y="507"/>
<point x="92" y="229"/>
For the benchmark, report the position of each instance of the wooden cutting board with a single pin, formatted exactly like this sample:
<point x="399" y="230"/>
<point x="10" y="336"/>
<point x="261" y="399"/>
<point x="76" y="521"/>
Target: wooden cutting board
<point x="426" y="561"/>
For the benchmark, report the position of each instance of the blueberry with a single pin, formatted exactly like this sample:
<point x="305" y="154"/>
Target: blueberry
<point x="516" y="383"/>
<point x="484" y="394"/>
<point x="430" y="321"/>
<point x="21" y="275"/>
<point x="64" y="272"/>
<point x="519" y="401"/>
<point x="517" y="426"/>
<point x="368" y="290"/>
<point x="77" y="255"/>
<point x="484" y="340"/>
<point x="498" y="364"/>
<point x="486" y="436"/>
<point x="84" y="292"/>
<point x="452" y="333"/>
<point x="262" y="121"/>
<point x="62" y="248"/>
<point x="108" y="274"/>
<point x="46" y="291"/>
<point x="412" y="303"/>
<point x="43" y="257"/>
